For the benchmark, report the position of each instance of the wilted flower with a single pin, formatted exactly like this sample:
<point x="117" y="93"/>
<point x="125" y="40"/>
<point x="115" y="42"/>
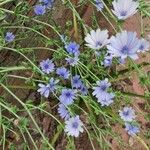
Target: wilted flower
<point x="73" y="48"/>
<point x="144" y="45"/>
<point x="63" y="72"/>
<point x="67" y="96"/>
<point x="97" y="53"/>
<point x="124" y="45"/>
<point x="124" y="9"/>
<point x="127" y="114"/>
<point x="45" y="90"/>
<point x="99" y="5"/>
<point x="107" y="61"/>
<point x="74" y="126"/>
<point x="47" y="66"/>
<point x="72" y="60"/>
<point x="47" y="3"/>
<point x="9" y="37"/>
<point x="64" y="113"/>
<point x="39" y="9"/>
<point x="63" y="38"/>
<point x="76" y="81"/>
<point x="131" y="129"/>
<point x="97" y="39"/>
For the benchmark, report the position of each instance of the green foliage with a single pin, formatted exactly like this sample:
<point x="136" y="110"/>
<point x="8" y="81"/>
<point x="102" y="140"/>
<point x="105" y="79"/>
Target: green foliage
<point x="33" y="38"/>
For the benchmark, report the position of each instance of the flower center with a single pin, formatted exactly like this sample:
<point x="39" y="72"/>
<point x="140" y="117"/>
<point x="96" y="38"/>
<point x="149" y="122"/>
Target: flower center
<point x="123" y="13"/>
<point x="103" y="87"/>
<point x="141" y="47"/>
<point x="68" y="94"/>
<point x="62" y="74"/>
<point x="46" y="66"/>
<point x="98" y="43"/>
<point x="126" y="113"/>
<point x="76" y="81"/>
<point x="125" y="50"/>
<point x="75" y="125"/>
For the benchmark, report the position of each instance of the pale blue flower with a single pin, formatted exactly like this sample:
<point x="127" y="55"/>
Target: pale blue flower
<point x="127" y="114"/>
<point x="107" y="61"/>
<point x="124" y="9"/>
<point x="83" y="89"/>
<point x="67" y="96"/>
<point x="47" y="66"/>
<point x="106" y="99"/>
<point x="9" y="37"/>
<point x="63" y="112"/>
<point x="125" y="44"/>
<point x="45" y="90"/>
<point x="144" y="45"/>
<point x="76" y="81"/>
<point x="39" y="9"/>
<point x="99" y="5"/>
<point x="131" y="129"/>
<point x="73" y="48"/>
<point x="100" y="91"/>
<point x="97" y="39"/>
<point x="74" y="126"/>
<point x="63" y="72"/>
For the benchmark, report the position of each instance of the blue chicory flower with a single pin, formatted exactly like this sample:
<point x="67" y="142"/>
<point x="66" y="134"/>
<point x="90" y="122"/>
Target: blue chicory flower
<point x="63" y="112"/>
<point x="97" y="39"/>
<point x="83" y="89"/>
<point x="127" y="114"/>
<point x="67" y="96"/>
<point x="101" y="93"/>
<point x="107" y="61"/>
<point x="73" y="48"/>
<point x="9" y="37"/>
<point x="74" y="126"/>
<point x="124" y="9"/>
<point x="47" y="66"/>
<point x="144" y="45"/>
<point x="106" y="99"/>
<point x="63" y="72"/>
<point x="101" y="89"/>
<point x="39" y="9"/>
<point x="131" y="129"/>
<point x="76" y="81"/>
<point x="125" y="44"/>
<point x="45" y="90"/>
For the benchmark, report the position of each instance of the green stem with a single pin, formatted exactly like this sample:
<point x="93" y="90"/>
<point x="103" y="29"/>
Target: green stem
<point x="14" y="50"/>
<point x="5" y="2"/>
<point x="32" y="118"/>
<point x="135" y="95"/>
<point x="7" y="108"/>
